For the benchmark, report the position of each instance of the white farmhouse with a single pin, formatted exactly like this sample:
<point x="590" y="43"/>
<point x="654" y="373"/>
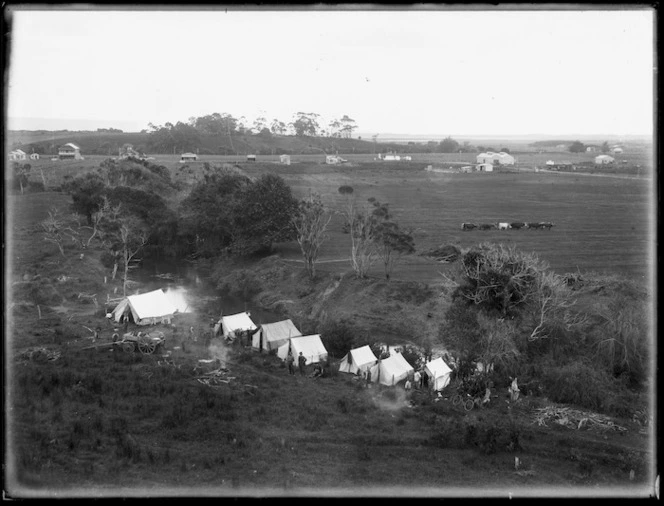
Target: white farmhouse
<point x="188" y="157"/>
<point x="16" y="155"/>
<point x="604" y="159"/>
<point x="501" y="158"/>
<point x="69" y="151"/>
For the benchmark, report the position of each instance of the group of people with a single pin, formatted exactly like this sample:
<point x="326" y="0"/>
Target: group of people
<point x="301" y="363"/>
<point x="420" y="380"/>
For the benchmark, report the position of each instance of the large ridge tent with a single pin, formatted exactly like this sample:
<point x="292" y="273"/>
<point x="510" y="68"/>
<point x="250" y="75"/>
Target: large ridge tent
<point x="358" y="360"/>
<point x="272" y="335"/>
<point x="439" y="373"/>
<point x="311" y="347"/>
<point x="229" y="325"/>
<point x="391" y="370"/>
<point x="145" y="309"/>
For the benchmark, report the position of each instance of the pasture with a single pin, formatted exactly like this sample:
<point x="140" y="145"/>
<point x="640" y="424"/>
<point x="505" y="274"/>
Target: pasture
<point x="603" y="224"/>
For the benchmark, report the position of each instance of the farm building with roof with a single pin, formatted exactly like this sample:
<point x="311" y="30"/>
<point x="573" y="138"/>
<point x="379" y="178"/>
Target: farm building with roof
<point x="604" y="159"/>
<point x="188" y="157"/>
<point x="501" y="158"/>
<point x="69" y="151"/>
<point x="17" y="154"/>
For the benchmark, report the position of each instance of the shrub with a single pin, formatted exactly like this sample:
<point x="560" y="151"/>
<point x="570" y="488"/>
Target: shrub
<point x="578" y="383"/>
<point x="338" y="337"/>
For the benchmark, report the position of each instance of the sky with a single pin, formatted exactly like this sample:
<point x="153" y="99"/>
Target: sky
<point x="410" y="71"/>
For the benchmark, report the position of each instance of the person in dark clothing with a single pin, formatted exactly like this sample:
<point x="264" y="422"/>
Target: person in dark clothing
<point x="301" y="362"/>
<point x="290" y="360"/>
<point x="126" y="323"/>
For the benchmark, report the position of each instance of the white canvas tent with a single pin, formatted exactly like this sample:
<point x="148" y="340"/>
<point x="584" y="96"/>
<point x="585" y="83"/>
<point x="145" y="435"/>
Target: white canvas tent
<point x="229" y="325"/>
<point x="146" y="308"/>
<point x="391" y="370"/>
<point x="358" y="360"/>
<point x="311" y="347"/>
<point x="272" y="335"/>
<point x="439" y="373"/>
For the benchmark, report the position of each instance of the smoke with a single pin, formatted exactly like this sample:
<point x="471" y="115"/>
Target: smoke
<point x="392" y="399"/>
<point x="218" y="351"/>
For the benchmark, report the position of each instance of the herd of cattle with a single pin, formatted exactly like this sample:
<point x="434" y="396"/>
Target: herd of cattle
<point x="505" y="226"/>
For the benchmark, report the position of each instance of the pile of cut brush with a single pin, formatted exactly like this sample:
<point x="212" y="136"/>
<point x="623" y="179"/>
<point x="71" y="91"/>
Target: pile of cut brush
<point x="215" y="378"/>
<point x="574" y="418"/>
<point x="39" y="355"/>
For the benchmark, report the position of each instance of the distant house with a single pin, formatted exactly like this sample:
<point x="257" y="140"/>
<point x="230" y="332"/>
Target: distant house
<point x="616" y="150"/>
<point x="604" y="159"/>
<point x="334" y="159"/>
<point x="485" y="167"/>
<point x="69" y="151"/>
<point x="34" y="156"/>
<point x="561" y="146"/>
<point x="550" y="162"/>
<point x="188" y="157"/>
<point x="392" y="158"/>
<point x="285" y="159"/>
<point x="592" y="148"/>
<point x="16" y="155"/>
<point x="251" y="158"/>
<point x="490" y="157"/>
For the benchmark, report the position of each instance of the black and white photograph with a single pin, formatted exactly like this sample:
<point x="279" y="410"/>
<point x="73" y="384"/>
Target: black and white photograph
<point x="330" y="251"/>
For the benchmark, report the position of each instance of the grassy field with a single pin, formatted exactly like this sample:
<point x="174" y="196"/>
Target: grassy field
<point x="602" y="224"/>
<point x="95" y="422"/>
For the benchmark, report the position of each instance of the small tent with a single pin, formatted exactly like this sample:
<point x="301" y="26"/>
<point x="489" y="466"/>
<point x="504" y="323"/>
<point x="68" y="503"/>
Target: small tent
<point x="358" y="360"/>
<point x="391" y="370"/>
<point x="439" y="373"/>
<point x="311" y="347"/>
<point x="229" y="325"/>
<point x="146" y="308"/>
<point x="272" y="335"/>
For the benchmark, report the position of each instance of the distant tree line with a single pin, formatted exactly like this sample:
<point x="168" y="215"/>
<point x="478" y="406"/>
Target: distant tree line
<point x="187" y="136"/>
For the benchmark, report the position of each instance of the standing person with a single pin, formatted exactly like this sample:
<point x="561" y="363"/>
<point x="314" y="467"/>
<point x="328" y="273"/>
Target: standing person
<point x="425" y="379"/>
<point x="417" y="379"/>
<point x="368" y="378"/>
<point x="407" y="385"/>
<point x="126" y="323"/>
<point x="514" y="391"/>
<point x="301" y="362"/>
<point x="289" y="361"/>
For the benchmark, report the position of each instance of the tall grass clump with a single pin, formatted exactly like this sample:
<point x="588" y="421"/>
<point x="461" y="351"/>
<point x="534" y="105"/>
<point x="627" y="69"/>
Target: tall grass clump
<point x="577" y="383"/>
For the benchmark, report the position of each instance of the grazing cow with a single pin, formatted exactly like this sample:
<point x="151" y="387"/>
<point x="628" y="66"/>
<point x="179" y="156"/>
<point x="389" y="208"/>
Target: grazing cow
<point x="487" y="226"/>
<point x="518" y="224"/>
<point x="546" y="224"/>
<point x="533" y="224"/>
<point x="503" y="226"/>
<point x="468" y="226"/>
